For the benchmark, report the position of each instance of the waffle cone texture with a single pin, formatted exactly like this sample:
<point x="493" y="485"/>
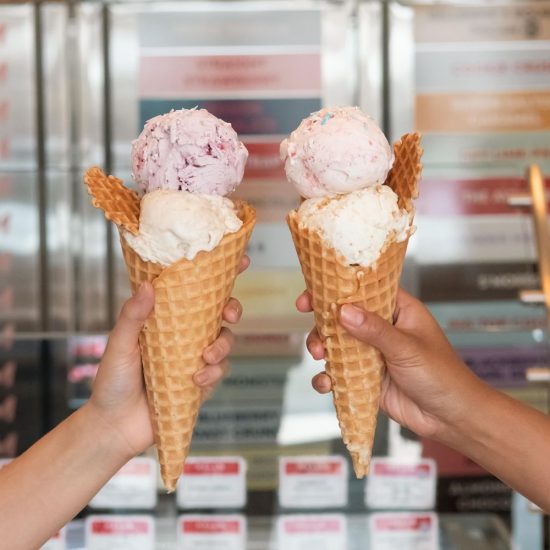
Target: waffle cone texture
<point x="355" y="368"/>
<point x="189" y="299"/>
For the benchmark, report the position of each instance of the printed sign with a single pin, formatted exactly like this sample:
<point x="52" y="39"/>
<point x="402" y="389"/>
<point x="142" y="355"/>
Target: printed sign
<point x="120" y="532"/>
<point x="319" y="531"/>
<point x="395" y="484"/>
<point x="388" y="531"/>
<point x="132" y="487"/>
<point x="313" y="482"/>
<point x="212" y="482"/>
<point x="212" y="532"/>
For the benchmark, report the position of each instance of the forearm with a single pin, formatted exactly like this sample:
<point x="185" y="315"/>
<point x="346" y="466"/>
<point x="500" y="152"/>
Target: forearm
<point x="509" y="439"/>
<point x="49" y="484"/>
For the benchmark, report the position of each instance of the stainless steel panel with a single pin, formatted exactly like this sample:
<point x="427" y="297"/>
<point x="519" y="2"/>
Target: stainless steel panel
<point x="56" y="46"/>
<point x="19" y="252"/>
<point x="62" y="234"/>
<point x="88" y="94"/>
<point x="17" y="88"/>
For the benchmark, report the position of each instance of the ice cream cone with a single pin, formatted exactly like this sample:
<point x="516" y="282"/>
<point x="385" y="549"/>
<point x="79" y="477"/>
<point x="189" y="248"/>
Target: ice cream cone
<point x="356" y="368"/>
<point x="189" y="299"/>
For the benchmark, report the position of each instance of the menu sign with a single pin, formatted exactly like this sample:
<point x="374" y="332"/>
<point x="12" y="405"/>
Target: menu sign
<point x="483" y="99"/>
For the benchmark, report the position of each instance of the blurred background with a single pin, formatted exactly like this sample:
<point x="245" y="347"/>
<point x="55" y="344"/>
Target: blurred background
<point x="77" y="82"/>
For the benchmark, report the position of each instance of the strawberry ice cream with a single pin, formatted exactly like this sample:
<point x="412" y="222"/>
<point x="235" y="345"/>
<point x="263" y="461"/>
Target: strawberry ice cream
<point x="335" y="151"/>
<point x="188" y="150"/>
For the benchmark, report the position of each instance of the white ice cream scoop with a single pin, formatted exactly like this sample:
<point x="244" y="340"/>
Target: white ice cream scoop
<point x="179" y="224"/>
<point x="358" y="224"/>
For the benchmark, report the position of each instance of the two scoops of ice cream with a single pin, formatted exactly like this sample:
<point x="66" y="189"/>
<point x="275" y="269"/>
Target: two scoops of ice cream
<point x="187" y="237"/>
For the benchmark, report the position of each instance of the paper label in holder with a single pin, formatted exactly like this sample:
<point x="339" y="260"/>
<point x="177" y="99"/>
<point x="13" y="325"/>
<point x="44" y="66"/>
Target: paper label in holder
<point x="304" y="531"/>
<point x="396" y="484"/>
<point x="212" y="482"/>
<point x="135" y="532"/>
<point x="212" y="532"/>
<point x="313" y="482"/>
<point x="391" y="530"/>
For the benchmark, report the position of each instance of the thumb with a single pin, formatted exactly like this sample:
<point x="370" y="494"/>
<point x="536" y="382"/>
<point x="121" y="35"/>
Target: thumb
<point x="371" y="329"/>
<point x="124" y="336"/>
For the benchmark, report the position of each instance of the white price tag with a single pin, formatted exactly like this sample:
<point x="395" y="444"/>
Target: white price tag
<point x="211" y="532"/>
<point x="319" y="531"/>
<point x="57" y="542"/>
<point x="212" y="482"/>
<point x="395" y="484"/>
<point x="313" y="482"/>
<point x="406" y="531"/>
<point x="133" y="487"/>
<point x="105" y="532"/>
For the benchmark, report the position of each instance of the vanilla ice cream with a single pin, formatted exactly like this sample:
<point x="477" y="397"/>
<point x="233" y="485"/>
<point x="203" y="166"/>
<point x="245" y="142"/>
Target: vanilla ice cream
<point x="188" y="150"/>
<point x="178" y="224"/>
<point x="358" y="224"/>
<point x="334" y="151"/>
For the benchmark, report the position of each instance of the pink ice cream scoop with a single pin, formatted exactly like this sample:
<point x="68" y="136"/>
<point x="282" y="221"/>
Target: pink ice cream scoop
<point x="188" y="150"/>
<point x="336" y="151"/>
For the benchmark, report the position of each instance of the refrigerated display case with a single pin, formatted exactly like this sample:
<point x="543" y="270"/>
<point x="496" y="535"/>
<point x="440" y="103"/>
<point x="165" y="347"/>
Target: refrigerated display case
<point x="267" y="468"/>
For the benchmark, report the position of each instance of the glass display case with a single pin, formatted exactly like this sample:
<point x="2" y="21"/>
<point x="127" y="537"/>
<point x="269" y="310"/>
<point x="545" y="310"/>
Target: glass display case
<point x="268" y="469"/>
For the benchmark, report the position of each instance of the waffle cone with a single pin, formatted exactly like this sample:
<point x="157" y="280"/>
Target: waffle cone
<point x="355" y="368"/>
<point x="189" y="299"/>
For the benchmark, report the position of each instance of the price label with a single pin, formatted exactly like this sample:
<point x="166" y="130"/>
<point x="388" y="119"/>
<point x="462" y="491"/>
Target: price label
<point x="57" y="542"/>
<point x="388" y="531"/>
<point x="319" y="531"/>
<point x="394" y="484"/>
<point x="135" y="532"/>
<point x="132" y="487"/>
<point x="212" y="482"/>
<point x="212" y="532"/>
<point x="313" y="482"/>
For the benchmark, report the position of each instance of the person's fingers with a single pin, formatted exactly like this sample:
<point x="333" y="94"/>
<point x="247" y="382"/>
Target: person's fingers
<point x="210" y="375"/>
<point x="321" y="382"/>
<point x="303" y="302"/>
<point x="232" y="311"/>
<point x="124" y="336"/>
<point x="243" y="266"/>
<point x="315" y="345"/>
<point x="372" y="329"/>
<point x="220" y="348"/>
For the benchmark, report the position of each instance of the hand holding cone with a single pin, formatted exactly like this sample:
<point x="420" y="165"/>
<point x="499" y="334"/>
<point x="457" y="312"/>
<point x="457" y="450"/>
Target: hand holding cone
<point x="356" y="368"/>
<point x="189" y="299"/>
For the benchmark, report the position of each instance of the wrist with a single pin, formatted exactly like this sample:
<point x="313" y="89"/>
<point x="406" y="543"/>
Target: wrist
<point x="469" y="422"/>
<point x="106" y="433"/>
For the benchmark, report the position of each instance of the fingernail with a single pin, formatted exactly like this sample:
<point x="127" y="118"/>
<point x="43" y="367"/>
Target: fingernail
<point x="351" y="315"/>
<point x="201" y="377"/>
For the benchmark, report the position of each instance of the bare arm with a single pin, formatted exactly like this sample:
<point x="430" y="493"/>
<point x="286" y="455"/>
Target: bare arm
<point x="49" y="484"/>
